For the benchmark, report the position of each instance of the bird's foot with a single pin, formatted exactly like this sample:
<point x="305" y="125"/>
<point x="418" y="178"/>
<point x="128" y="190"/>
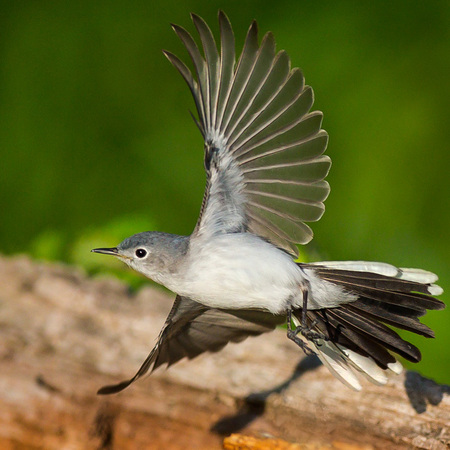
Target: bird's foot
<point x="292" y="335"/>
<point x="306" y="331"/>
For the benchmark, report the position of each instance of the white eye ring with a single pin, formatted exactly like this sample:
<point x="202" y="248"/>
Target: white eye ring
<point x="141" y="253"/>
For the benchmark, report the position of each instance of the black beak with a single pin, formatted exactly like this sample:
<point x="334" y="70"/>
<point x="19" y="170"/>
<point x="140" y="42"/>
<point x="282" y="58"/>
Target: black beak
<point x="107" y="251"/>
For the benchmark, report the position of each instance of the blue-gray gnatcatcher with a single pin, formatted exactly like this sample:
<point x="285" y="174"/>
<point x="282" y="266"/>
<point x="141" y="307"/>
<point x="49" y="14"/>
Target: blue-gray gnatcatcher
<point x="235" y="275"/>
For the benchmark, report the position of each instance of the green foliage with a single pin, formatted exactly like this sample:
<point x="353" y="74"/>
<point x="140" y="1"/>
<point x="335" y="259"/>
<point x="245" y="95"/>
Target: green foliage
<point x="51" y="245"/>
<point x="96" y="142"/>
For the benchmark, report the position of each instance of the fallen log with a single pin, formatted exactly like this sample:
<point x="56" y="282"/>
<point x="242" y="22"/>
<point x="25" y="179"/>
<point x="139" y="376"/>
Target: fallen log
<point x="64" y="335"/>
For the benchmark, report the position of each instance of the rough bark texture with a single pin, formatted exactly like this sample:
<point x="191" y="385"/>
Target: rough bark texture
<point x="63" y="335"/>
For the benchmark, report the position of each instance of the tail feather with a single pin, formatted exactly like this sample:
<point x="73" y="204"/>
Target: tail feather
<point x="378" y="332"/>
<point x="349" y="338"/>
<point x="373" y="280"/>
<point x="404" y="322"/>
<point x="333" y="358"/>
<point x="417" y="275"/>
<point x="367" y="366"/>
<point x="359" y="334"/>
<point x="386" y="289"/>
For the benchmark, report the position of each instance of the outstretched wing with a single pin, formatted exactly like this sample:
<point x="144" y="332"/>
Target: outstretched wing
<point x="192" y="329"/>
<point x="263" y="148"/>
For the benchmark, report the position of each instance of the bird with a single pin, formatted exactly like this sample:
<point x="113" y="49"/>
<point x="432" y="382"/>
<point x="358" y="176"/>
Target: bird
<point x="237" y="274"/>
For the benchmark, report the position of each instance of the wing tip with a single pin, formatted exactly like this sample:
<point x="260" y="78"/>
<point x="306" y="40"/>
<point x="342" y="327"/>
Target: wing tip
<point x="168" y="54"/>
<point x="253" y="29"/>
<point x="221" y="15"/>
<point x="114" y="388"/>
<point x="199" y="22"/>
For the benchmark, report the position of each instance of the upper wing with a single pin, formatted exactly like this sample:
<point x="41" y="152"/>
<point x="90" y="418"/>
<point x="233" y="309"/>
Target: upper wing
<point x="192" y="328"/>
<point x="263" y="148"/>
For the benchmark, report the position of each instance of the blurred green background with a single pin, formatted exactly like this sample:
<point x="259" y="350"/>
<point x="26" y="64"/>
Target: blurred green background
<point x="96" y="141"/>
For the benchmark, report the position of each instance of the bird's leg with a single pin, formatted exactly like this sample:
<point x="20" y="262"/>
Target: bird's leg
<point x="292" y="334"/>
<point x="304" y="329"/>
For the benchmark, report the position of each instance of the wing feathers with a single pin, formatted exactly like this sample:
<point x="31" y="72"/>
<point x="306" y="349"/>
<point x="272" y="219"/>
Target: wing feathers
<point x="298" y="232"/>
<point x="211" y="67"/>
<point x="266" y="119"/>
<point x="288" y="153"/>
<point x="227" y="63"/>
<point x="193" y="86"/>
<point x="242" y="74"/>
<point x="316" y="192"/>
<point x="279" y="73"/>
<point x="258" y="76"/>
<point x="309" y="171"/>
<point x="254" y="116"/>
<point x="311" y="211"/>
<point x="201" y="72"/>
<point x="192" y="329"/>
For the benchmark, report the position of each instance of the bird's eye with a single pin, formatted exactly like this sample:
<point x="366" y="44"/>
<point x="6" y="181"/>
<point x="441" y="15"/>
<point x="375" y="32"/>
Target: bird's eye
<point x="141" y="253"/>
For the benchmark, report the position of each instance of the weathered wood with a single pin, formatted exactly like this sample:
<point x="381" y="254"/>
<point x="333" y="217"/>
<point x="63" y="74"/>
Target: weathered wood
<point x="64" y="335"/>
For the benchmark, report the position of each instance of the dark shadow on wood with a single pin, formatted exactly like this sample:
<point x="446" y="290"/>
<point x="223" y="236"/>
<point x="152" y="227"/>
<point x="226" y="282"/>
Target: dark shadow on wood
<point x="103" y="427"/>
<point x="421" y="391"/>
<point x="254" y="404"/>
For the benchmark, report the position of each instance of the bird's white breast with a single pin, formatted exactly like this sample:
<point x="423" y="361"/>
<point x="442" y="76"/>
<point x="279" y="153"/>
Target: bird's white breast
<point x="239" y="270"/>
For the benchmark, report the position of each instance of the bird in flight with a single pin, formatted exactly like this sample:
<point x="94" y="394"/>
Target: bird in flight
<point x="236" y="276"/>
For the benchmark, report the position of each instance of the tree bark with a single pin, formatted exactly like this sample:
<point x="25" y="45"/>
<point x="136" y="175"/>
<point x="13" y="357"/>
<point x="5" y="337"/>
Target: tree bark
<point x="64" y="335"/>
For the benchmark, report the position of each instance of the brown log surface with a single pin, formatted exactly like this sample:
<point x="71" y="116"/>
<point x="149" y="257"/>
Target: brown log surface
<point x="63" y="335"/>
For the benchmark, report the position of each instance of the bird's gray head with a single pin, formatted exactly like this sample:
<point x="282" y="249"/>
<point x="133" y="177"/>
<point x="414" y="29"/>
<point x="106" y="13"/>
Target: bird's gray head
<point x="152" y="253"/>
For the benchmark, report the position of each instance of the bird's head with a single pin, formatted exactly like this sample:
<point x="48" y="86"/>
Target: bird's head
<point x="151" y="253"/>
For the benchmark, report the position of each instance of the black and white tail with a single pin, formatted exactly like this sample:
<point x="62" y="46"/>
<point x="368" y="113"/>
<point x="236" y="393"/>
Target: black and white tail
<point x="358" y="334"/>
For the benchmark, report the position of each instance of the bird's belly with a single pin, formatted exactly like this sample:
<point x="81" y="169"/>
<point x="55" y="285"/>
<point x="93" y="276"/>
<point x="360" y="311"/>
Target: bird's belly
<point x="239" y="273"/>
